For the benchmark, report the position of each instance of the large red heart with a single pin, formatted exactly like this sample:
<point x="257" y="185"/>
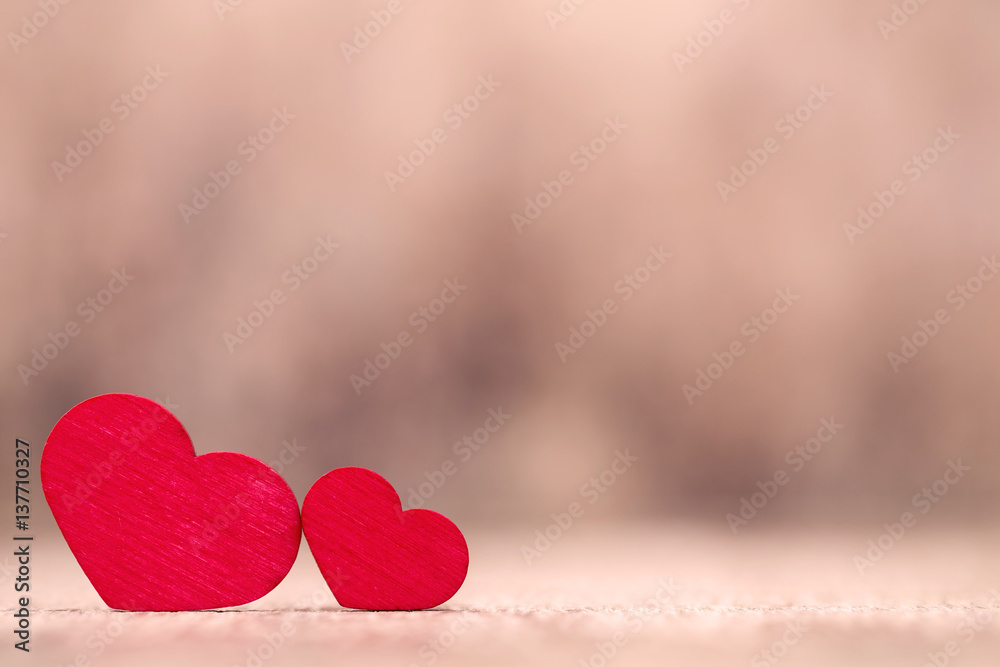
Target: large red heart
<point x="374" y="555"/>
<point x="156" y="528"/>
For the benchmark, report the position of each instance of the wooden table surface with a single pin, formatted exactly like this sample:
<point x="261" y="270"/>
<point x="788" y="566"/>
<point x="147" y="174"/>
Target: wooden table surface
<point x="724" y="600"/>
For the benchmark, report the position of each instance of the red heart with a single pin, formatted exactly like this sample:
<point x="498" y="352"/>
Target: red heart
<point x="156" y="528"/>
<point x="374" y="555"/>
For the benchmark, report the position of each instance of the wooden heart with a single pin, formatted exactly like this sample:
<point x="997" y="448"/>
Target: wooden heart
<point x="374" y="555"/>
<point x="156" y="528"/>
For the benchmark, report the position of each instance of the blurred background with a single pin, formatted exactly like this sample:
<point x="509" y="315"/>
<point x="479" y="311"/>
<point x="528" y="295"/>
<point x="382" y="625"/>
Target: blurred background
<point x="646" y="107"/>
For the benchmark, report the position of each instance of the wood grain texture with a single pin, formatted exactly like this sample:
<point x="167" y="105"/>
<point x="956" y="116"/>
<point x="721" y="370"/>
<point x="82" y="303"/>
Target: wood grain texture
<point x="736" y="596"/>
<point x="156" y="528"/>
<point x="374" y="555"/>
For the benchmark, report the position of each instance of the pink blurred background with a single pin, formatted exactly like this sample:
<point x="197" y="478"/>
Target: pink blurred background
<point x="656" y="184"/>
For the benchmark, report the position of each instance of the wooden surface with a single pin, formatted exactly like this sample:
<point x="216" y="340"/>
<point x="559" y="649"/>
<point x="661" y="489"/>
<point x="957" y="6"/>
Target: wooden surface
<point x="735" y="597"/>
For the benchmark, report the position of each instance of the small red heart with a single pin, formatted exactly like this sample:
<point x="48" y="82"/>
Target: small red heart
<point x="374" y="555"/>
<point x="156" y="528"/>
